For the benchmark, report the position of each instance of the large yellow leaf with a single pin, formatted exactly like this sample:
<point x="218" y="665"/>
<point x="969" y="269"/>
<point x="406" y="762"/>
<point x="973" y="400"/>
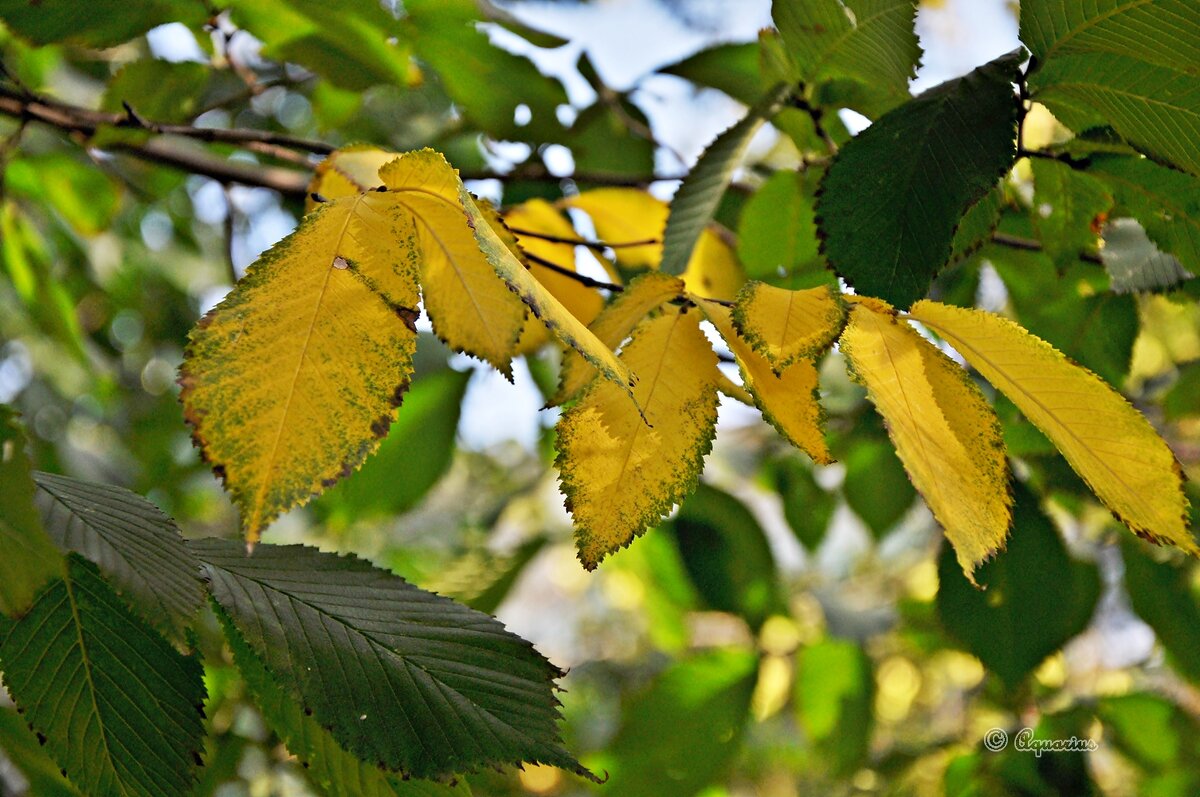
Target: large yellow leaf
<point x="1109" y="443"/>
<point x="614" y="324"/>
<point x="788" y="400"/>
<point x="537" y="216"/>
<point x="469" y="307"/>
<point x="621" y="472"/>
<point x="784" y="326"/>
<point x="290" y="382"/>
<point x="624" y="215"/>
<point x="348" y="171"/>
<point x="944" y="431"/>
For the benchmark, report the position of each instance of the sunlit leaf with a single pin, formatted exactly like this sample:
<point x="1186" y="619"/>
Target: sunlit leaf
<point x="1109" y="443"/>
<point x="400" y="676"/>
<point x="622" y="470"/>
<point x="944" y="431"/>
<point x="119" y="707"/>
<point x="785" y="326"/>
<point x="30" y="558"/>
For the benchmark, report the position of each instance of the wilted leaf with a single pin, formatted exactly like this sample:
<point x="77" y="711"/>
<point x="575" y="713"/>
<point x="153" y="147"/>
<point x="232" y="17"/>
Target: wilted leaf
<point x="30" y="558"/>
<point x="944" y="431"/>
<point x="1109" y="443"/>
<point x="785" y="326"/>
<point x="622" y="470"/>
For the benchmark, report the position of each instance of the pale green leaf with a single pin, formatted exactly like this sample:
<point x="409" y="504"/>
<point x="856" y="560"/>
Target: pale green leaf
<point x="1164" y="201"/>
<point x="1134" y="263"/>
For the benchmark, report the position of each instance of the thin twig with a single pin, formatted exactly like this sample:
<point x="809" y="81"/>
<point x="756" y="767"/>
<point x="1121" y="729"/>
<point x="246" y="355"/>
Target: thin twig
<point x="582" y="279"/>
<point x="1030" y="245"/>
<point x="560" y="239"/>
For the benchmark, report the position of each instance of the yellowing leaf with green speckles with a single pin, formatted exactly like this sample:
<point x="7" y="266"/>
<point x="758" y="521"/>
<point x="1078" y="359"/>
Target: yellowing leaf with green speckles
<point x="787" y="400"/>
<point x="348" y="171"/>
<point x="467" y="304"/>
<point x="614" y="324"/>
<point x="1108" y="442"/>
<point x="944" y="431"/>
<point x="538" y="217"/>
<point x="290" y="382"/>
<point x="784" y="326"/>
<point x="626" y="215"/>
<point x="620" y="471"/>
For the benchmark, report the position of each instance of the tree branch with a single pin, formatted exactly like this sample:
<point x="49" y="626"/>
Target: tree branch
<point x="559" y="239"/>
<point x="582" y="279"/>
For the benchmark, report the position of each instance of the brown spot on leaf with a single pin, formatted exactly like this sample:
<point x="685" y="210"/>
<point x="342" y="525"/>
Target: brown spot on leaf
<point x="408" y="315"/>
<point x="380" y="426"/>
<point x="41" y="737"/>
<point x="340" y="262"/>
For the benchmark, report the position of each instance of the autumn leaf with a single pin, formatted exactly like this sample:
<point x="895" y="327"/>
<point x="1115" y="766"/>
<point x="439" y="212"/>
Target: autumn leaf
<point x="788" y="400"/>
<point x="1109" y="443"/>
<point x="346" y="172"/>
<point x="944" y="431"/>
<point x="614" y="325"/>
<point x="784" y="326"/>
<point x="620" y="471"/>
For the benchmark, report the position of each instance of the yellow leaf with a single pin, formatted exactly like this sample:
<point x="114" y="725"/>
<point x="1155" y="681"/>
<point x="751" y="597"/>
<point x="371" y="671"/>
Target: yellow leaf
<point x="290" y="382"/>
<point x="469" y="306"/>
<point x="944" y="431"/>
<point x="620" y="472"/>
<point x="788" y="400"/>
<point x="539" y="216"/>
<point x="784" y="326"/>
<point x="622" y="215"/>
<point x="348" y="171"/>
<point x="614" y="324"/>
<point x="1109" y="443"/>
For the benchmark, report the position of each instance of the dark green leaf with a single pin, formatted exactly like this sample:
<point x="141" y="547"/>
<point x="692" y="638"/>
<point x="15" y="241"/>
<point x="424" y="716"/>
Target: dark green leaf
<point x="1165" y="202"/>
<point x="1134" y="263"/>
<point x="100" y="23"/>
<point x="30" y="558"/>
<point x="131" y="540"/>
<point x="896" y="193"/>
<point x="777" y="232"/>
<point x="400" y="676"/>
<point x="835" y="693"/>
<point x="20" y="746"/>
<point x="726" y="554"/>
<point x="1155" y="108"/>
<point x="806" y="507"/>
<point x="1035" y="597"/>
<point x="1162" y="596"/>
<point x="416" y="453"/>
<point x="601" y="141"/>
<point x="681" y="733"/>
<point x="870" y="42"/>
<point x="334" y="771"/>
<point x="120" y="708"/>
<point x="731" y="68"/>
<point x="977" y="224"/>
<point x="876" y="486"/>
<point x="693" y="205"/>
<point x="1066" y="203"/>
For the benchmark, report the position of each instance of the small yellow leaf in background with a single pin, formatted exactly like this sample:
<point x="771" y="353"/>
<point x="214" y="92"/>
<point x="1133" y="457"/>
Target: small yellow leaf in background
<point x="784" y="326"/>
<point x="290" y="382"/>
<point x="614" y="324"/>
<point x="1108" y="442"/>
<point x="539" y="216"/>
<point x="788" y="400"/>
<point x="348" y="171"/>
<point x="622" y="215"/>
<point x="465" y="300"/>
<point x="621" y="472"/>
<point x="944" y="431"/>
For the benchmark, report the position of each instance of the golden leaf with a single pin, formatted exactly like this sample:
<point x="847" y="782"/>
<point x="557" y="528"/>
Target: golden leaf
<point x="346" y="172"/>
<point x="784" y="326"/>
<point x="614" y="324"/>
<point x="1108" y="442"/>
<point x="944" y="431"/>
<point x="624" y="215"/>
<point x="469" y="307"/>
<point x="621" y="472"/>
<point x="788" y="400"/>
<point x="290" y="382"/>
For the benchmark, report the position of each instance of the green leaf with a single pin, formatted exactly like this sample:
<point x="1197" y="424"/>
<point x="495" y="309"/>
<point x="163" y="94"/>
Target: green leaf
<point x="681" y="733"/>
<point x="777" y="231"/>
<point x="870" y="42"/>
<point x="161" y="91"/>
<point x="82" y="195"/>
<point x="412" y="458"/>
<point x="977" y="224"/>
<point x="21" y="748"/>
<point x="400" y="676"/>
<point x="1183" y="399"/>
<point x="1066" y="203"/>
<point x="891" y="202"/>
<point x="1164" y="32"/>
<point x="119" y="707"/>
<point x="103" y="23"/>
<point x="806" y="507"/>
<point x="835" y="693"/>
<point x="876" y="486"/>
<point x="1149" y="729"/>
<point x="601" y="141"/>
<point x="700" y="193"/>
<point x="731" y="68"/>
<point x="30" y="558"/>
<point x="327" y="764"/>
<point x="1162" y="596"/>
<point x="1154" y="108"/>
<point x="726" y="554"/>
<point x="131" y="540"/>
<point x="1134" y="263"/>
<point x="1035" y="596"/>
<point x="1164" y="201"/>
